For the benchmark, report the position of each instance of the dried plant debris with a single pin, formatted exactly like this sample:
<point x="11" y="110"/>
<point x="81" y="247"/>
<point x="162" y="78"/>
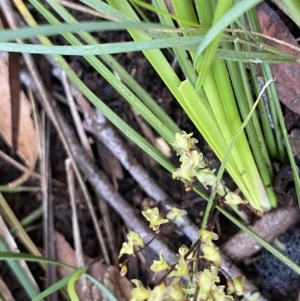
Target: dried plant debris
<point x="27" y="146"/>
<point x="287" y="75"/>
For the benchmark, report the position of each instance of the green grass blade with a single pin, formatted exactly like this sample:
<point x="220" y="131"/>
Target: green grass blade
<point x="71" y="284"/>
<point x="4" y="255"/>
<point x="186" y="43"/>
<point x="111" y="78"/>
<point x="103" y="289"/>
<point x="12" y="220"/>
<point x="254" y="57"/>
<point x="224" y="162"/>
<point x="54" y="287"/>
<point x="50" y="30"/>
<point x="159" y="7"/>
<point x="205" y="12"/>
<point x="291" y="8"/>
<point x="9" y="189"/>
<point x="109" y="48"/>
<point x="125" y="77"/>
<point x="180" y="54"/>
<point x="204" y="63"/>
<point x="271" y="91"/>
<point x="230" y="16"/>
<point x="29" y="219"/>
<point x="113" y="117"/>
<point x="240" y="82"/>
<point x="30" y="288"/>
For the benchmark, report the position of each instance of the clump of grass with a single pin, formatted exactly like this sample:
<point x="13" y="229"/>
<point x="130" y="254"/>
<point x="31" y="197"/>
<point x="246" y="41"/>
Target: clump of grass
<point x="216" y="93"/>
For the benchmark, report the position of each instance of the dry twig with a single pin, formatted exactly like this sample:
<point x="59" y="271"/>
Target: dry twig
<point x="242" y="246"/>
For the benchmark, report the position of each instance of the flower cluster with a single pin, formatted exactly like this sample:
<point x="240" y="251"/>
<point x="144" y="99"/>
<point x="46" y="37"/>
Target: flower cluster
<point x="201" y="285"/>
<point x="155" y="219"/>
<point x="193" y="166"/>
<point x="210" y="251"/>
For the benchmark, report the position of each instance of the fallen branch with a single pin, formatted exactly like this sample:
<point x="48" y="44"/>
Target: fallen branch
<point x="270" y="226"/>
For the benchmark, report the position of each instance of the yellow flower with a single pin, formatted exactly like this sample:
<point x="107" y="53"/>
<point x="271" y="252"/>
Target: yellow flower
<point x="124" y="270"/>
<point x="159" y="265"/>
<point x="157" y="293"/>
<point x="184" y="142"/>
<point x="206" y="282"/>
<point x="135" y="239"/>
<point x="139" y="293"/>
<point x="175" y="214"/>
<point x="175" y="290"/>
<point x="207" y="236"/>
<point x="127" y="248"/>
<point x="207" y="177"/>
<point x="219" y="294"/>
<point x="181" y="268"/>
<point x="211" y="253"/>
<point x="183" y="250"/>
<point x="152" y="215"/>
<point x="184" y="173"/>
<point x="237" y="287"/>
<point x="193" y="159"/>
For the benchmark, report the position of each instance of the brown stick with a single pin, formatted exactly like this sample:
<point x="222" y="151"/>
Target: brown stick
<point x="270" y="226"/>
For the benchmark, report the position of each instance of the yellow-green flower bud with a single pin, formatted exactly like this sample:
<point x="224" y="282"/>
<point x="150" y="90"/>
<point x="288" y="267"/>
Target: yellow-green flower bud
<point x="253" y="297"/>
<point x="185" y="174"/>
<point x="211" y="253"/>
<point x="183" y="250"/>
<point x="124" y="270"/>
<point x="232" y="198"/>
<point x="207" y="177"/>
